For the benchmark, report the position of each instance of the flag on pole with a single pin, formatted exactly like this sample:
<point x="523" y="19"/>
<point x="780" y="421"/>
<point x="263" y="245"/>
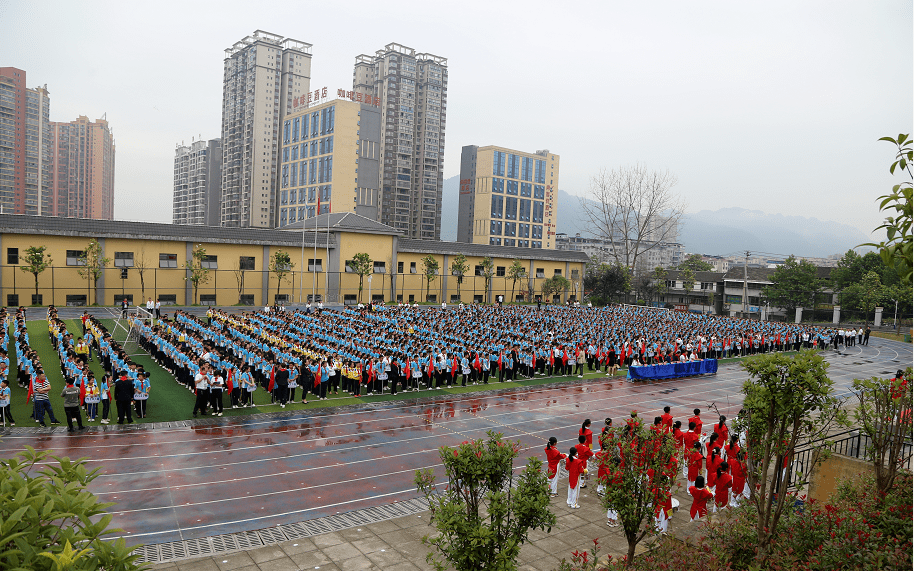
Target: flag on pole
<point x="228" y="381"/>
<point x="272" y="378"/>
<point x="317" y="377"/>
<point x="477" y="365"/>
<point x="29" y="396"/>
<point x="82" y="393"/>
<point x="500" y="366"/>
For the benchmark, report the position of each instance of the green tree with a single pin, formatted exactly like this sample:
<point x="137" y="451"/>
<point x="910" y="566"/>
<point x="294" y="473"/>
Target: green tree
<point x="516" y="273"/>
<point x="660" y="277"/>
<point x="361" y="264"/>
<point x="430" y="267"/>
<point x="688" y="283"/>
<point x="281" y="265"/>
<point x="696" y="264"/>
<point x="488" y="270"/>
<point x="788" y="402"/>
<point x="459" y="268"/>
<point x="793" y="285"/>
<point x="896" y="249"/>
<point x="92" y="265"/>
<point x="195" y="273"/>
<point x="884" y="414"/>
<point x="36" y="262"/>
<point x="555" y="286"/>
<point x="641" y="477"/>
<point x="606" y="282"/>
<point x="482" y="519"/>
<point x="864" y="295"/>
<point x="46" y="510"/>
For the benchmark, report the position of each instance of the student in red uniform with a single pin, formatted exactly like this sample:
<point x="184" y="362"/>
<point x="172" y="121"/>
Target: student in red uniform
<point x="700" y="496"/>
<point x="689" y="440"/>
<point x="710" y="445"/>
<point x="696" y="419"/>
<point x="738" y="467"/>
<point x="584" y="454"/>
<point x="695" y="464"/>
<point x="587" y="433"/>
<point x="658" y="426"/>
<point x="553" y="457"/>
<point x="679" y="437"/>
<point x="713" y="462"/>
<point x="606" y="436"/>
<point x="576" y="469"/>
<point x="732" y="448"/>
<point x="722" y="489"/>
<point x="722" y="432"/>
<point x="614" y="478"/>
<point x="667" y="418"/>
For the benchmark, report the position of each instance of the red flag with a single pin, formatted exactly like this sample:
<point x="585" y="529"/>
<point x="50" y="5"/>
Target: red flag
<point x="431" y="368"/>
<point x="477" y="364"/>
<point x="228" y="382"/>
<point x="29" y="397"/>
<point x="500" y="366"/>
<point x="406" y="369"/>
<point x="454" y="366"/>
<point x="551" y="359"/>
<point x="564" y="356"/>
<point x="317" y="377"/>
<point x="82" y="392"/>
<point x="272" y="378"/>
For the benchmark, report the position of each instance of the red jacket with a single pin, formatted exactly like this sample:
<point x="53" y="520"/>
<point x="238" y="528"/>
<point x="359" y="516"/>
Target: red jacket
<point x="723" y="433"/>
<point x="739" y="476"/>
<point x="697" y="420"/>
<point x="575" y="468"/>
<point x="553" y="457"/>
<point x="700" y="499"/>
<point x="722" y="490"/>
<point x="588" y="437"/>
<point x="695" y="462"/>
<point x="584" y="453"/>
<point x="666" y="420"/>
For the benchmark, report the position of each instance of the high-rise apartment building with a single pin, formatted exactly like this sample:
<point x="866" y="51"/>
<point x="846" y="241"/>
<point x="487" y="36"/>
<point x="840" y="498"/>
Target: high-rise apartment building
<point x="412" y="88"/>
<point x="507" y="197"/>
<point x="330" y="157"/>
<point x="82" y="169"/>
<point x="198" y="183"/>
<point x="262" y="74"/>
<point x="25" y="145"/>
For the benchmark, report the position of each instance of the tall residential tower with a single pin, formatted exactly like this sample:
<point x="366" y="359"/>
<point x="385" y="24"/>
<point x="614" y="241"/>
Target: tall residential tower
<point x="25" y="145"/>
<point x="82" y="171"/>
<point x="412" y="88"/>
<point x="262" y="74"/>
<point x="197" y="180"/>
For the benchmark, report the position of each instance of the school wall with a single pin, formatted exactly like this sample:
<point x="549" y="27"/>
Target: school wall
<point x="824" y="480"/>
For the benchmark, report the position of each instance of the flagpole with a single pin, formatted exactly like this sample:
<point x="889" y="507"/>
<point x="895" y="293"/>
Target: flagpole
<point x="302" y="266"/>
<point x="314" y="265"/>
<point x="326" y="272"/>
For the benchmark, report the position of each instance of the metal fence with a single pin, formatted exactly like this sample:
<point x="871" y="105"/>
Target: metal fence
<point x="850" y="443"/>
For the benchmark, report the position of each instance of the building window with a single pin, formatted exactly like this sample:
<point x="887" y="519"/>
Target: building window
<point x="511" y="208"/>
<point x="498" y="205"/>
<point x="510" y="229"/>
<point x="526" y="189"/>
<point x="210" y="262"/>
<point x="526" y="171"/>
<point x="498" y="185"/>
<point x="74" y="258"/>
<point x="380" y="267"/>
<point x="477" y="270"/>
<point x="498" y="163"/>
<point x="12" y="299"/>
<point x="495" y="241"/>
<point x="495" y="228"/>
<point x="537" y="211"/>
<point x="12" y="257"/>
<point x="315" y="265"/>
<point x="575" y="274"/>
<point x="540" y="273"/>
<point x="168" y="260"/>
<point x="500" y="271"/>
<point x="246" y="263"/>
<point x="76" y="300"/>
<point x="511" y="187"/>
<point x="537" y="232"/>
<point x="536" y="244"/>
<point x="513" y="166"/>
<point x="412" y="267"/>
<point x="540" y="172"/>
<point x="539" y="192"/>
<point x="524" y="230"/>
<point x="558" y="272"/>
<point x="524" y="210"/>
<point x="123" y="259"/>
<point x="509" y="242"/>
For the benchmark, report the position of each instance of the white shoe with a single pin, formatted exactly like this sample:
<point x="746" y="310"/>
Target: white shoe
<point x="220" y="414"/>
<point x="283" y="406"/>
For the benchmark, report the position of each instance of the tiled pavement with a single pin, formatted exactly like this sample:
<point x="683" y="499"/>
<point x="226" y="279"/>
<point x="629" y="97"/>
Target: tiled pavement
<point x="396" y="544"/>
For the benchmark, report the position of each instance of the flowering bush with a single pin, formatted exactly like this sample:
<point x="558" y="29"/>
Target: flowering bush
<point x="854" y="531"/>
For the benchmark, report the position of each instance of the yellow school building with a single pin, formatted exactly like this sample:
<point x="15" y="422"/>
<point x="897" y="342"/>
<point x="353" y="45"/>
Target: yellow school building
<point x="145" y="260"/>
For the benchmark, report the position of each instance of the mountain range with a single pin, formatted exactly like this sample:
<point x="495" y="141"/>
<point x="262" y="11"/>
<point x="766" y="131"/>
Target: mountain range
<point x="712" y="232"/>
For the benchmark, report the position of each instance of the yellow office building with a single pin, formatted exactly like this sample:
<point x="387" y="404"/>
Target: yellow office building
<point x="508" y="198"/>
<point x="144" y="260"/>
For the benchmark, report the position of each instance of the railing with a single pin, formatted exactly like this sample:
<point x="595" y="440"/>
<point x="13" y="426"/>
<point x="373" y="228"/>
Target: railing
<point x="850" y="443"/>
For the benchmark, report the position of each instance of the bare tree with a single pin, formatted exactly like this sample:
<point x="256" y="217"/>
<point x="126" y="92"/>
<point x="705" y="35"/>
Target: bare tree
<point x="634" y="209"/>
<point x="141" y="264"/>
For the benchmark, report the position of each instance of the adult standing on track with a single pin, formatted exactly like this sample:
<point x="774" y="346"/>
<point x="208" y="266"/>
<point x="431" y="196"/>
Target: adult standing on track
<point x="201" y="388"/>
<point x="70" y="396"/>
<point x="40" y="389"/>
<point x="123" y="394"/>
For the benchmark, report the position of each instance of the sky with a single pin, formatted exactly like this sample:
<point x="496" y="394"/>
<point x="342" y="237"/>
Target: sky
<point x="773" y="106"/>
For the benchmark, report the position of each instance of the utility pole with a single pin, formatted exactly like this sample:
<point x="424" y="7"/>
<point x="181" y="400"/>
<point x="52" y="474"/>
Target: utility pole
<point x="746" y="286"/>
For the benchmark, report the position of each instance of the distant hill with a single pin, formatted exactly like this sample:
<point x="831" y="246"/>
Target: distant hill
<point x="713" y="232"/>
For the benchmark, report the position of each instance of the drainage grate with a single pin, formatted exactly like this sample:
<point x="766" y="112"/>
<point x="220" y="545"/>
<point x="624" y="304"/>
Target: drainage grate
<point x="175" y="550"/>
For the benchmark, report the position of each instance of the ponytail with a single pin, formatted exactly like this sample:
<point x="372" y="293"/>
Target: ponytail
<point x="722" y="468"/>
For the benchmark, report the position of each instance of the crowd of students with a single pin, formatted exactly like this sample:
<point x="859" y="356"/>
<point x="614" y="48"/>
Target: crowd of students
<point x="713" y="465"/>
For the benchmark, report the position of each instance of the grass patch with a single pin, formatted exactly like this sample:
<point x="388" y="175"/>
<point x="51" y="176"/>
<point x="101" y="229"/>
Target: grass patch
<point x="886" y="335"/>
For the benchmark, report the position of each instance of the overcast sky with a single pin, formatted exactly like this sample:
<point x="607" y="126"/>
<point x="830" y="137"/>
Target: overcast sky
<point x="774" y="106"/>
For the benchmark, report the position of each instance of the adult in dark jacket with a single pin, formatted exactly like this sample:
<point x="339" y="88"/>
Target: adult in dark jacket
<point x="123" y="395"/>
<point x="282" y="385"/>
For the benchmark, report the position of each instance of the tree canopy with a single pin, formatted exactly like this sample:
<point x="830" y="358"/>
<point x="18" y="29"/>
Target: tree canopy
<point x="606" y="283"/>
<point x="897" y="249"/>
<point x="696" y="264"/>
<point x="794" y="285"/>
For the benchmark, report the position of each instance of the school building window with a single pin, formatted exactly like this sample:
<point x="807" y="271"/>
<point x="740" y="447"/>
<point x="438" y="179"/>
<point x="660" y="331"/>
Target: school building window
<point x="315" y="265"/>
<point x="123" y="259"/>
<point x="168" y="260"/>
<point x="500" y="271"/>
<point x="540" y="273"/>
<point x="12" y="257"/>
<point x="380" y="267"/>
<point x="74" y="258"/>
<point x="246" y="263"/>
<point x="210" y="262"/>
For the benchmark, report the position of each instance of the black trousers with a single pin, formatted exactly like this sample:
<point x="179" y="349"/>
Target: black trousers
<point x="215" y="398"/>
<point x="200" y="403"/>
<point x="73" y="412"/>
<point x="124" y="409"/>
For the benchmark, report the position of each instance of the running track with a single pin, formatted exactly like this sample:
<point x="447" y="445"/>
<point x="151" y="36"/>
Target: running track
<point x="183" y="483"/>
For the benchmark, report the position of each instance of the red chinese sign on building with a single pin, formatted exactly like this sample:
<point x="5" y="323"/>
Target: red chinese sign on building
<point x="466" y="186"/>
<point x="356" y="96"/>
<point x="311" y="97"/>
<point x="319" y="95"/>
